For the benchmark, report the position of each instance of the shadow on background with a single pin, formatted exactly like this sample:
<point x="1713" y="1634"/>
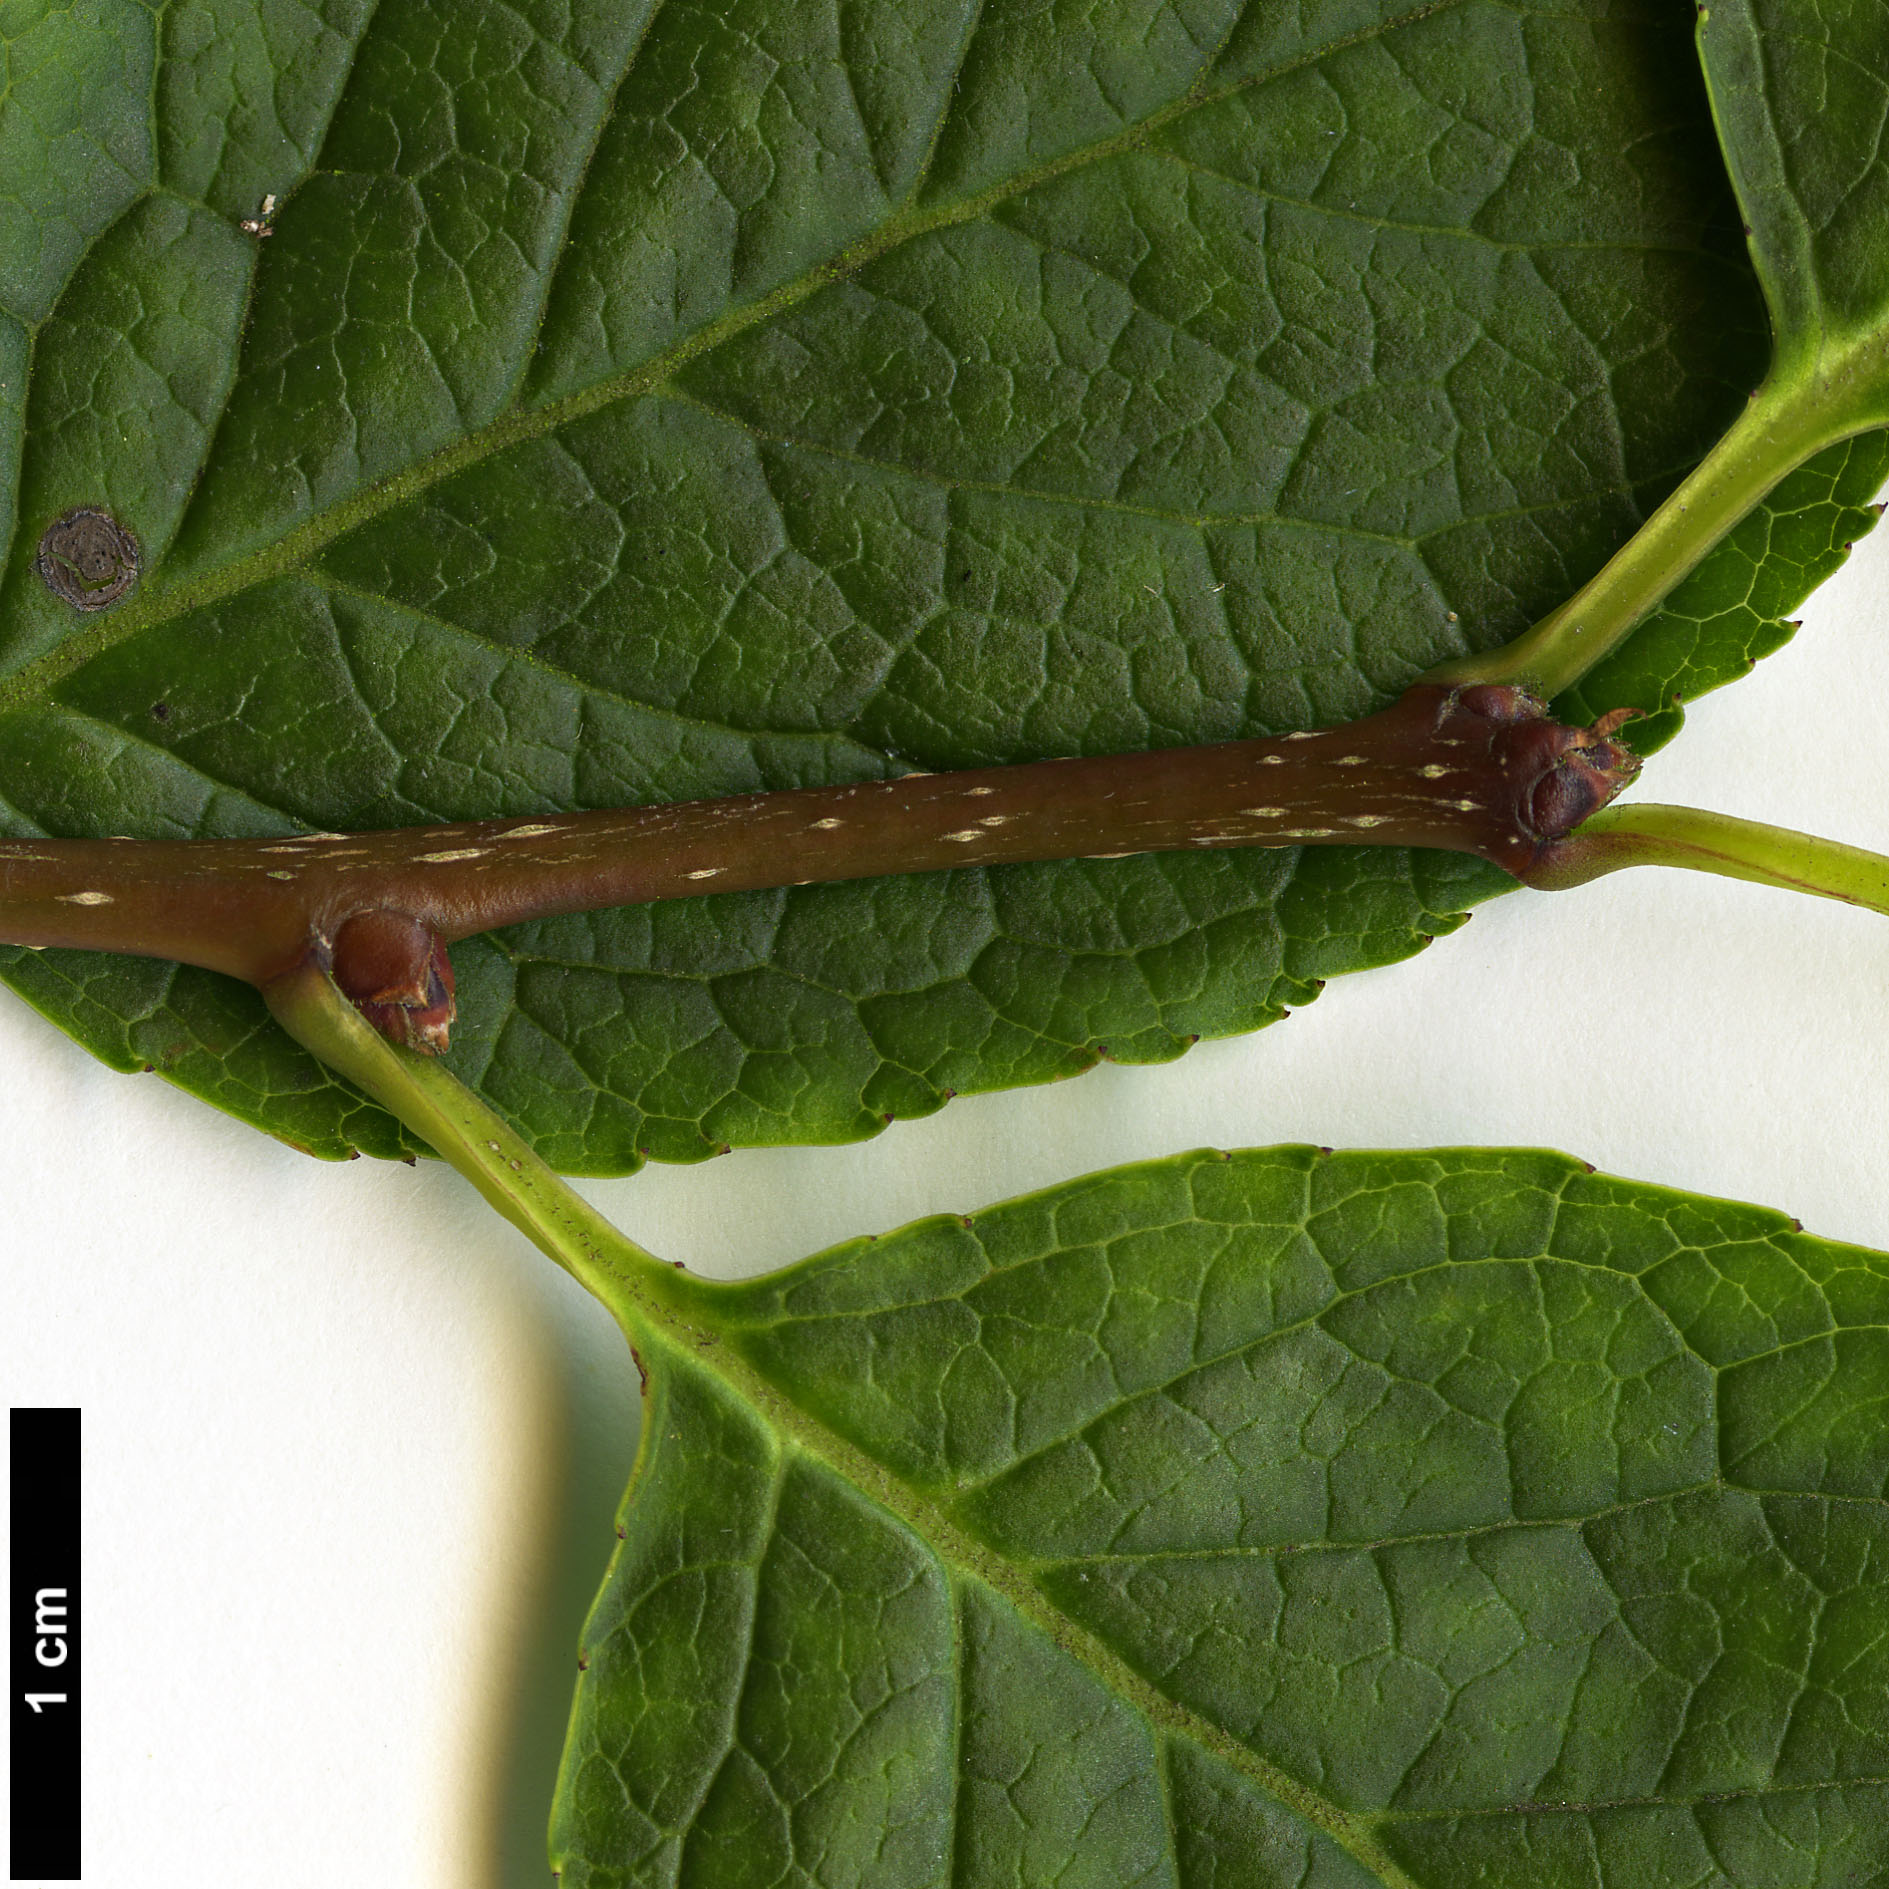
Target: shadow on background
<point x="591" y="1438"/>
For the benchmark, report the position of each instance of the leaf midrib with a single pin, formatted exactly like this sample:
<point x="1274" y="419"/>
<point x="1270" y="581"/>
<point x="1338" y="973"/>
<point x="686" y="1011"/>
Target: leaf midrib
<point x="665" y="1334"/>
<point x="158" y="602"/>
<point x="657" y="1322"/>
<point x="664" y="1319"/>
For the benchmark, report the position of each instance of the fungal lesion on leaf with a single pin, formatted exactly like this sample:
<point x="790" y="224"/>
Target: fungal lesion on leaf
<point x="87" y="558"/>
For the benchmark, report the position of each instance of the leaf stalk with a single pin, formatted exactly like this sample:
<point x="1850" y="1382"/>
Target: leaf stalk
<point x="1649" y="834"/>
<point x="423" y="1094"/>
<point x="1792" y="417"/>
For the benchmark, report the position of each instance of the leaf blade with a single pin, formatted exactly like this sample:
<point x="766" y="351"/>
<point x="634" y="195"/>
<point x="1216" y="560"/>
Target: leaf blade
<point x="1122" y="473"/>
<point x="1800" y="118"/>
<point x="1540" y="1679"/>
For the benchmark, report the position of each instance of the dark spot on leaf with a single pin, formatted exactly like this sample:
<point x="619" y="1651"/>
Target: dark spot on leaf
<point x="162" y="710"/>
<point x="87" y="558"/>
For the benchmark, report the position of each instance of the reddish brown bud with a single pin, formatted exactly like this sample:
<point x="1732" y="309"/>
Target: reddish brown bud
<point x="1588" y="770"/>
<point x="395" y="971"/>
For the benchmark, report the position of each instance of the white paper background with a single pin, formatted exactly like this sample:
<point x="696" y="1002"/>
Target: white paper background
<point x="352" y="1448"/>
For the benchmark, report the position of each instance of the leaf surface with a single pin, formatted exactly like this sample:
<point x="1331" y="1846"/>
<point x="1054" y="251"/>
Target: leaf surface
<point x="636" y="403"/>
<point x="1276" y="1519"/>
<point x="1801" y="94"/>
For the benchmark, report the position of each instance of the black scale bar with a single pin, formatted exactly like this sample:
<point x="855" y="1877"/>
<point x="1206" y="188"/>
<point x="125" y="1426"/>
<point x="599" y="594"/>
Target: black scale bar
<point x="45" y="1624"/>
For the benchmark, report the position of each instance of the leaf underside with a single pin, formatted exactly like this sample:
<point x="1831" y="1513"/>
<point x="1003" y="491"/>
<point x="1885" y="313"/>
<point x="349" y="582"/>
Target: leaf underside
<point x="1799" y="92"/>
<point x="636" y="403"/>
<point x="1282" y="1520"/>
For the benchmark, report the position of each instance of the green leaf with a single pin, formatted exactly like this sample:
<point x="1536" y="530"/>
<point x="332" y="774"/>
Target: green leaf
<point x="1799" y="92"/>
<point x="1800" y="95"/>
<point x="1276" y="1519"/>
<point x="637" y="402"/>
<point x="1735" y="608"/>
